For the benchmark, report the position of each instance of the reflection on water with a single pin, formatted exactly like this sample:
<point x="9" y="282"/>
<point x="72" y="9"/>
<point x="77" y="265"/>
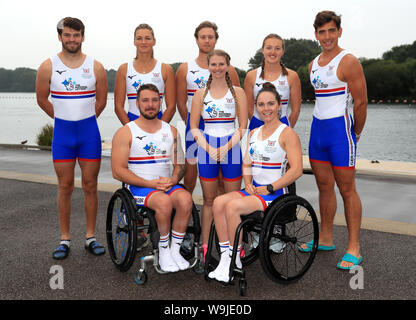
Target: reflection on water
<point x="389" y="133"/>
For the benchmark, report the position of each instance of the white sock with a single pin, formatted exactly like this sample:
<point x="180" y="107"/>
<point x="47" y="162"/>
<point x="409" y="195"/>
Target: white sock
<point x="175" y="246"/>
<point x="221" y="273"/>
<point x="166" y="261"/>
<point x="237" y="258"/>
<point x="66" y="242"/>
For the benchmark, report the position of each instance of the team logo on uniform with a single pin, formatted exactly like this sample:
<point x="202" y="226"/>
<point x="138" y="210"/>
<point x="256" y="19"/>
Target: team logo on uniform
<point x="282" y="83"/>
<point x="200" y="82"/>
<point x="229" y="100"/>
<point x="136" y="85"/>
<point x="156" y="74"/>
<point x="271" y="143"/>
<point x="193" y="72"/>
<point x="150" y="148"/>
<point x="71" y="85"/>
<point x="258" y="84"/>
<point x="330" y="71"/>
<point x="86" y="73"/>
<point x="131" y="77"/>
<point x="60" y="72"/>
<point x="212" y="111"/>
<point x="318" y="84"/>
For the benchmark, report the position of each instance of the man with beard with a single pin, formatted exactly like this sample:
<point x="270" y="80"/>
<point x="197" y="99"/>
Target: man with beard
<point x="141" y="154"/>
<point x="78" y="87"/>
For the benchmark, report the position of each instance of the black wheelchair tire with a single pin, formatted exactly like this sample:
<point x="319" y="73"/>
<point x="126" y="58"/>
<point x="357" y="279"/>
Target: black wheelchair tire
<point x="279" y="214"/>
<point x="121" y="200"/>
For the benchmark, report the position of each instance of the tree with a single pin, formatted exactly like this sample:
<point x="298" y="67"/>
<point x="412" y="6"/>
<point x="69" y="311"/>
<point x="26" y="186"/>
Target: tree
<point x="401" y="53"/>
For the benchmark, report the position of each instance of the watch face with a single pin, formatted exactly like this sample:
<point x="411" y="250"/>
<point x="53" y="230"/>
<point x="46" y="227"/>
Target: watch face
<point x="270" y="188"/>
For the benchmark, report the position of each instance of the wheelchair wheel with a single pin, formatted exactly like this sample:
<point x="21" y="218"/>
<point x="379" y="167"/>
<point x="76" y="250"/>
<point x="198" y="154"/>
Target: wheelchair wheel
<point x="290" y="222"/>
<point x="192" y="236"/>
<point x="121" y="229"/>
<point x="251" y="238"/>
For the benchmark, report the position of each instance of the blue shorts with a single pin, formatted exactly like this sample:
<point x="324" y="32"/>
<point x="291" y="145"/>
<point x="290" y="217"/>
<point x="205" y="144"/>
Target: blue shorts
<point x="333" y="141"/>
<point x="255" y="123"/>
<point x="76" y="139"/>
<point x="191" y="146"/>
<point x="267" y="199"/>
<point x="133" y="116"/>
<point x="230" y="167"/>
<point x="141" y="195"/>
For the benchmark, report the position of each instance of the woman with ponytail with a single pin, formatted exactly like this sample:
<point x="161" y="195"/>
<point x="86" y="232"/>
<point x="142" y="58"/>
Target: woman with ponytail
<point x="220" y="104"/>
<point x="144" y="69"/>
<point x="284" y="79"/>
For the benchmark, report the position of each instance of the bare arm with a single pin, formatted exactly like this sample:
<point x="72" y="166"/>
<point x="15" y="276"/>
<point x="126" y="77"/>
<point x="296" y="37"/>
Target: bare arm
<point x="351" y="71"/>
<point x="195" y="118"/>
<point x="242" y="122"/>
<point x="100" y="88"/>
<point x="247" y="172"/>
<point x="43" y="81"/>
<point x="120" y="94"/>
<point x="234" y="76"/>
<point x="120" y="152"/>
<point x="178" y="157"/>
<point x="170" y="92"/>
<point x="295" y="97"/>
<point x="290" y="142"/>
<point x="181" y="91"/>
<point x="248" y="89"/>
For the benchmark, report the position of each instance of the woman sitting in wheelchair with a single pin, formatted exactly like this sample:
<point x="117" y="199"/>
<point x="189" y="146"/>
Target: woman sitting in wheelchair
<point x="269" y="148"/>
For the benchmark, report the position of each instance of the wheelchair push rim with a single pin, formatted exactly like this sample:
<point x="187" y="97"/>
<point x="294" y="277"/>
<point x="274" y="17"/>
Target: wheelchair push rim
<point x="289" y="223"/>
<point x="121" y="230"/>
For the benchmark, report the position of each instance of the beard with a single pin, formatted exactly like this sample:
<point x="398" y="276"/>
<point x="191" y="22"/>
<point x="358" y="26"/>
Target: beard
<point x="71" y="50"/>
<point x="148" y="116"/>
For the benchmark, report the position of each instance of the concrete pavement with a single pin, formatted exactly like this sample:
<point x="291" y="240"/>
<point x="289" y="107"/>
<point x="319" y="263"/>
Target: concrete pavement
<point x="29" y="232"/>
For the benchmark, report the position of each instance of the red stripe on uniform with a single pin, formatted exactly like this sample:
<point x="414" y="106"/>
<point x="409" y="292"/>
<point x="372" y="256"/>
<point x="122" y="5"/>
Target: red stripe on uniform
<point x="65" y="93"/>
<point x="330" y="90"/>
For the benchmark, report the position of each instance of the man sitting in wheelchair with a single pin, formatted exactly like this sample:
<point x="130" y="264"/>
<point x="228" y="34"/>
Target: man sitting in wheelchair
<point x="141" y="154"/>
<point x="269" y="148"/>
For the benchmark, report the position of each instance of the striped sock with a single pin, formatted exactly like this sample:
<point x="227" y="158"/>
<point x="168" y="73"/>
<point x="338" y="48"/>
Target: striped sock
<point x="224" y="246"/>
<point x="237" y="258"/>
<point x="164" y="241"/>
<point x="175" y="247"/>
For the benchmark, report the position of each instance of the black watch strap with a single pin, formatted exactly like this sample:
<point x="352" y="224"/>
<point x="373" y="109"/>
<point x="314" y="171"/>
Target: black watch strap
<point x="270" y="188"/>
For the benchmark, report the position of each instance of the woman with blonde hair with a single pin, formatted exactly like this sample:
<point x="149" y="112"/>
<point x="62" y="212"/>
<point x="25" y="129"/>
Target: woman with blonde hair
<point x="144" y="69"/>
<point x="220" y="104"/>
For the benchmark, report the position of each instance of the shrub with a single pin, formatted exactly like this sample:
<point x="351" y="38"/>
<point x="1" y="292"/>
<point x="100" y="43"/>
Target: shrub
<point x="44" y="138"/>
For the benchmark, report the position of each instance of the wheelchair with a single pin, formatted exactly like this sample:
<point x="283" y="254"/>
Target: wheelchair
<point x="126" y="223"/>
<point x="273" y="236"/>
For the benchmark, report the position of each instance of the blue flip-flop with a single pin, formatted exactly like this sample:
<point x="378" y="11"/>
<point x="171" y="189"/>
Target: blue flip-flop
<point x="350" y="258"/>
<point x="320" y="247"/>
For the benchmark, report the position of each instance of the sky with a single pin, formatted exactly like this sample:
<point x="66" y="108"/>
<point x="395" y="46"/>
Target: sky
<point x="28" y="28"/>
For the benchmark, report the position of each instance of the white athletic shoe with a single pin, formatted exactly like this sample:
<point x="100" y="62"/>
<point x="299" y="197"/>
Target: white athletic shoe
<point x="180" y="261"/>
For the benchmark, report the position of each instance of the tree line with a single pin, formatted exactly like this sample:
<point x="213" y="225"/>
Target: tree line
<point x="391" y="77"/>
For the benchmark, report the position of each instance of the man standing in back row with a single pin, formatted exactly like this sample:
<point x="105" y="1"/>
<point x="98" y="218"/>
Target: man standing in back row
<point x="337" y="76"/>
<point x="78" y="87"/>
<point x="190" y="77"/>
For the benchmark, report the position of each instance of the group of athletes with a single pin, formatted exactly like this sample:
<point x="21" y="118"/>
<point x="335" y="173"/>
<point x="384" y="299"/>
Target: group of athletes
<point x="217" y="111"/>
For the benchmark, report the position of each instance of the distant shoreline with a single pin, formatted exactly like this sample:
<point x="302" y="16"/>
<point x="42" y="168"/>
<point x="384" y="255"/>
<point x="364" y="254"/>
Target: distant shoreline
<point x="372" y="101"/>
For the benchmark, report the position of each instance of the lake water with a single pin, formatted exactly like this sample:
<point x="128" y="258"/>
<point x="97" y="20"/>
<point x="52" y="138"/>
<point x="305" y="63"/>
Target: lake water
<point x="389" y="133"/>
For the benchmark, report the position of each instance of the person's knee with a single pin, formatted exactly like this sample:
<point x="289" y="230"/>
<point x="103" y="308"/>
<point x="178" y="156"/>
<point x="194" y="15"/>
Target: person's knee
<point x="89" y="185"/>
<point x="66" y="187"/>
<point x="163" y="206"/>
<point x="218" y="206"/>
<point x="232" y="209"/>
<point x="185" y="203"/>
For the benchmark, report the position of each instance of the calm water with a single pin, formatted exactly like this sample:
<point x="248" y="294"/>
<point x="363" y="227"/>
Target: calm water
<point x="389" y="133"/>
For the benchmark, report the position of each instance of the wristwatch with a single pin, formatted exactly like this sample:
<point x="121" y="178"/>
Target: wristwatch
<point x="270" y="188"/>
